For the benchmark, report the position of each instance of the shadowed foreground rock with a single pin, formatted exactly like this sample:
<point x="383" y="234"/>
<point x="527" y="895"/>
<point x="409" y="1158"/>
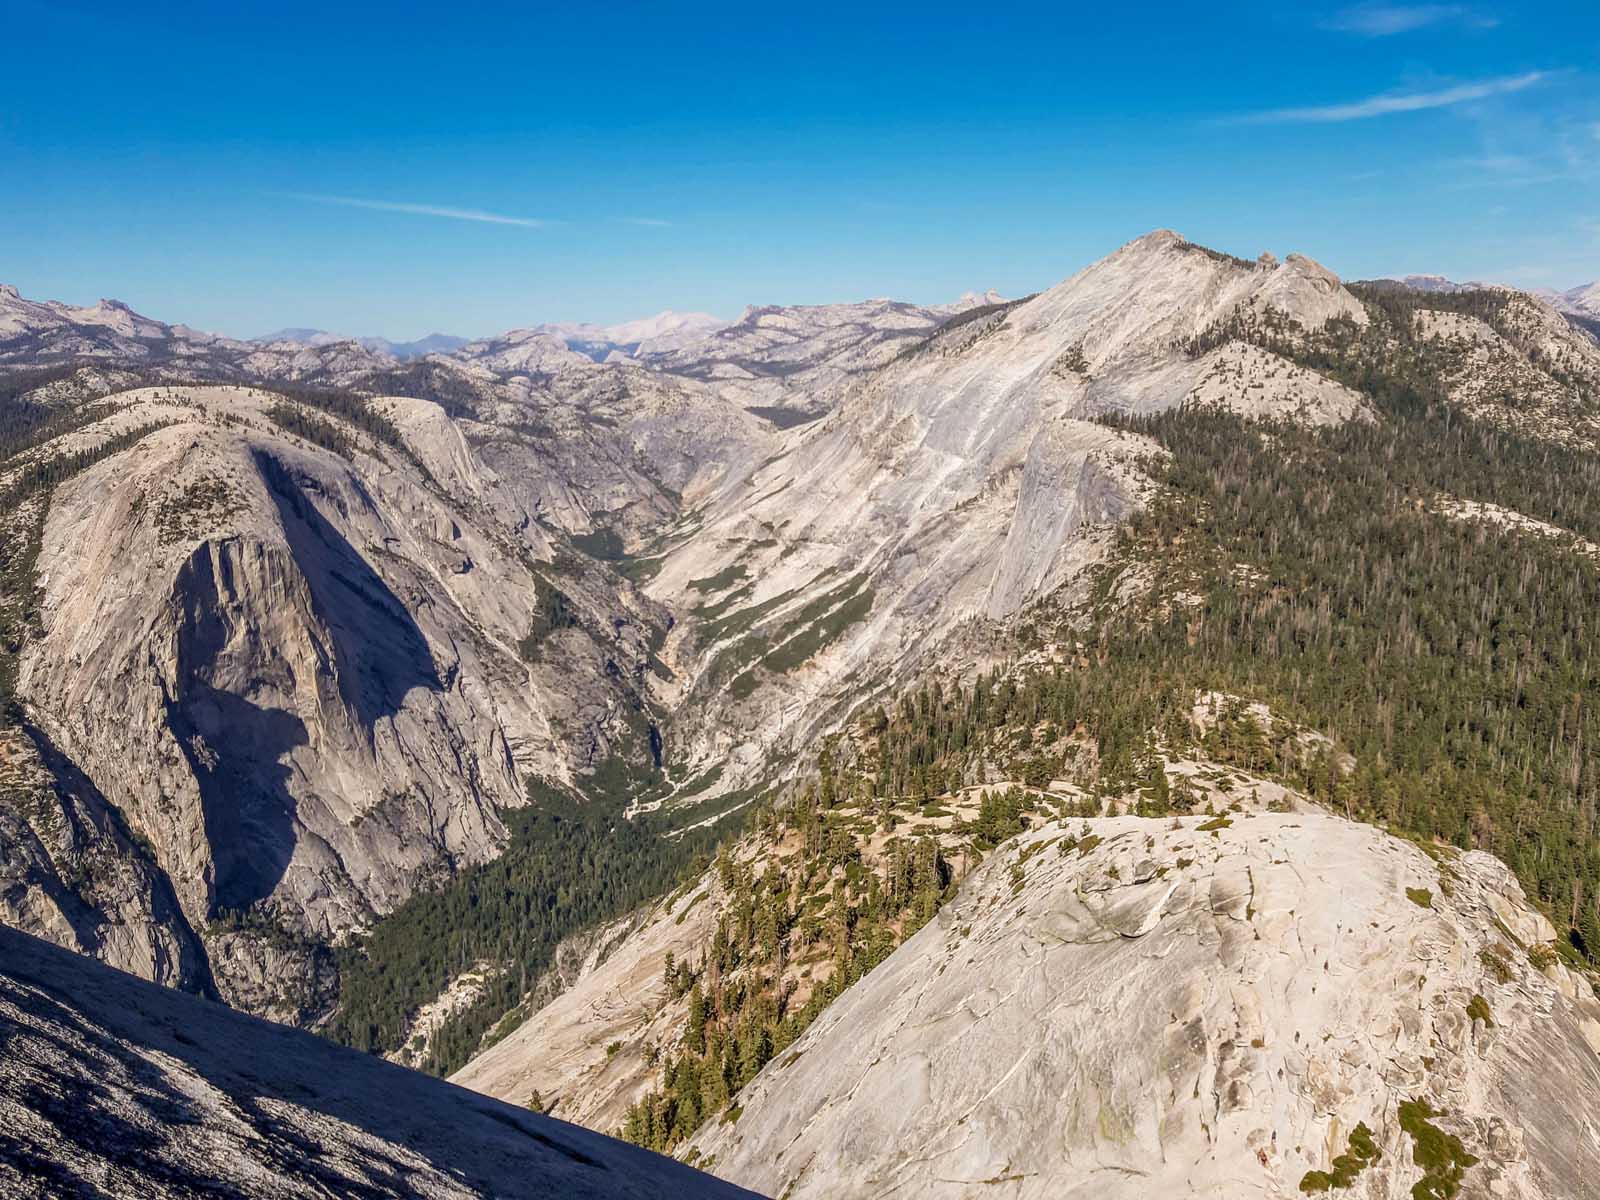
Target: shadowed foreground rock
<point x="111" y="1086"/>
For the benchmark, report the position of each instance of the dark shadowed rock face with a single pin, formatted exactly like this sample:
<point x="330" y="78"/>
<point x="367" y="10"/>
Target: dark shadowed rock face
<point x="111" y="1086"/>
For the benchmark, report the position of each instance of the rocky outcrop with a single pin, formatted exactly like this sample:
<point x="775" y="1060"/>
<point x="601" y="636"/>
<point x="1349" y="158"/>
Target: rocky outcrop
<point x="1529" y="370"/>
<point x="1259" y="385"/>
<point x="303" y="676"/>
<point x="72" y="872"/>
<point x="112" y="1086"/>
<point x="1242" y="1006"/>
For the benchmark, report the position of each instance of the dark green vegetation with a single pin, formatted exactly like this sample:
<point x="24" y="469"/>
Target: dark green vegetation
<point x="722" y="580"/>
<point x="303" y="422"/>
<point x="1345" y="1167"/>
<point x="40" y="474"/>
<point x="352" y="407"/>
<point x="553" y="610"/>
<point x="1459" y="665"/>
<point x="783" y="418"/>
<point x="569" y="864"/>
<point x="25" y="422"/>
<point x="601" y="543"/>
<point x="1390" y="358"/>
<point x="427" y="381"/>
<point x="1478" y="1010"/>
<point x="1216" y="255"/>
<point x="787" y="945"/>
<point x="811" y="628"/>
<point x="851" y="867"/>
<point x="1441" y="1155"/>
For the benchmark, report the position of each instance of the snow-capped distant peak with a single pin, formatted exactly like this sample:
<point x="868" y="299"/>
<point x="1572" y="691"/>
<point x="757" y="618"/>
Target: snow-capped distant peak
<point x="662" y="324"/>
<point x="667" y="330"/>
<point x="1583" y="300"/>
<point x="301" y="337"/>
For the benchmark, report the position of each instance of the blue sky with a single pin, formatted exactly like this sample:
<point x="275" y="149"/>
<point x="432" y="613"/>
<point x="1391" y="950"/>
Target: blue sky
<point x="401" y="168"/>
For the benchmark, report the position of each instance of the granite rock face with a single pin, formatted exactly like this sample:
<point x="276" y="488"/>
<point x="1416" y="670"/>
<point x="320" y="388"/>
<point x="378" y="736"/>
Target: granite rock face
<point x="301" y="675"/>
<point x="1133" y="1008"/>
<point x="71" y="872"/>
<point x="964" y="478"/>
<point x="112" y="1086"/>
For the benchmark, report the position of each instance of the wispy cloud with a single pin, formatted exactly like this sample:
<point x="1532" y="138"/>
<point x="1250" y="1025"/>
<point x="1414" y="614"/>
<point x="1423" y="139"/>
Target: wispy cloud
<point x="419" y="210"/>
<point x="1401" y="102"/>
<point x="1505" y="164"/>
<point x="649" y="222"/>
<point x="1528" y="147"/>
<point x="1387" y="20"/>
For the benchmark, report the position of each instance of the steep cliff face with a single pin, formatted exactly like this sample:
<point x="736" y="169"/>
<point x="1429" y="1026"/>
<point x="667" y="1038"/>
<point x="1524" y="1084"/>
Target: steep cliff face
<point x="303" y="675"/>
<point x="71" y="871"/>
<point x="112" y="1086"/>
<point x="1257" y="1005"/>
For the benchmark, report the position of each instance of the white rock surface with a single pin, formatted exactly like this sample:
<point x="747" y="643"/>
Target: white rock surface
<point x="1258" y="384"/>
<point x="1535" y="378"/>
<point x="1584" y="300"/>
<point x="1179" y="1011"/>
<point x="71" y="872"/>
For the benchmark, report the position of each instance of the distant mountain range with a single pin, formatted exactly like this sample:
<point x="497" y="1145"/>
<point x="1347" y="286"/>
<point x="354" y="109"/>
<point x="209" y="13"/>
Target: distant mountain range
<point x="1583" y="300"/>
<point x="663" y="332"/>
<point x="1580" y="304"/>
<point x="434" y="343"/>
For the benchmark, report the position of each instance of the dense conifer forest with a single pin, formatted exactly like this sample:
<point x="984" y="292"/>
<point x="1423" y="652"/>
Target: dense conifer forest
<point x="569" y="864"/>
